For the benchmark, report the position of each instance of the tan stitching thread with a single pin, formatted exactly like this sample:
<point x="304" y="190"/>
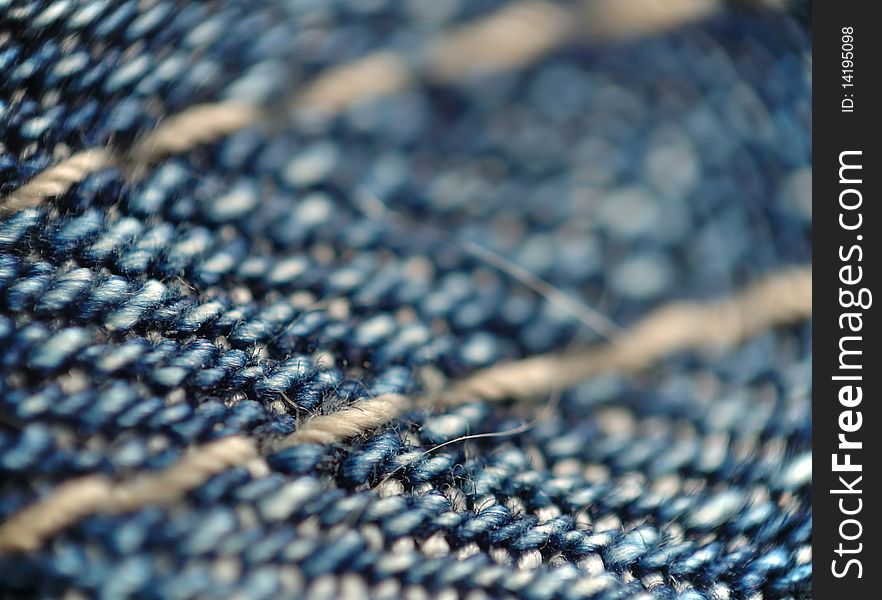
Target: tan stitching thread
<point x="194" y="127"/>
<point x="67" y="504"/>
<point x="349" y="422"/>
<point x="778" y="300"/>
<point x="784" y="298"/>
<point x="781" y="299"/>
<point x="614" y="20"/>
<point x="56" y="180"/>
<point x="78" y="498"/>
<point x="511" y="38"/>
<point x="191" y="471"/>
<point x="377" y="74"/>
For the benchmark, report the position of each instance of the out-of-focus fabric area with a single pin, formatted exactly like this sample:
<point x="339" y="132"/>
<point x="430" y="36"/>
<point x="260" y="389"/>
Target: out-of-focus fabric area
<point x="405" y="298"/>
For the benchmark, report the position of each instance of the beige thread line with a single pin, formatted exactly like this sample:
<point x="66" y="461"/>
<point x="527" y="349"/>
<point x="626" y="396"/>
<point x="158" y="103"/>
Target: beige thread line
<point x="197" y="125"/>
<point x="94" y="494"/>
<point x="615" y="20"/>
<point x="781" y="299"/>
<point x="508" y="39"/>
<point x="56" y="180"/>
<point x="377" y="74"/>
<point x="349" y="422"/>
<point x="194" y="127"/>
<point x="511" y="38"/>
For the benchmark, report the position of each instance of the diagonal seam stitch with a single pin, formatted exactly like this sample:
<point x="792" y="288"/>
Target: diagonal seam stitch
<point x="781" y="299"/>
<point x="508" y="39"/>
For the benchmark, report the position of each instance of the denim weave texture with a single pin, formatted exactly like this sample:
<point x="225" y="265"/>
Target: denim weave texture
<point x="174" y="316"/>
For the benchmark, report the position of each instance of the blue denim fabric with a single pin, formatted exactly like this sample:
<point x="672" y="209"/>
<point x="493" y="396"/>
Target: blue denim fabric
<point x="140" y="317"/>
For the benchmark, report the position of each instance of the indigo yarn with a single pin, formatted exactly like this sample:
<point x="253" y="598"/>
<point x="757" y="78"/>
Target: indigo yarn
<point x="405" y="299"/>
